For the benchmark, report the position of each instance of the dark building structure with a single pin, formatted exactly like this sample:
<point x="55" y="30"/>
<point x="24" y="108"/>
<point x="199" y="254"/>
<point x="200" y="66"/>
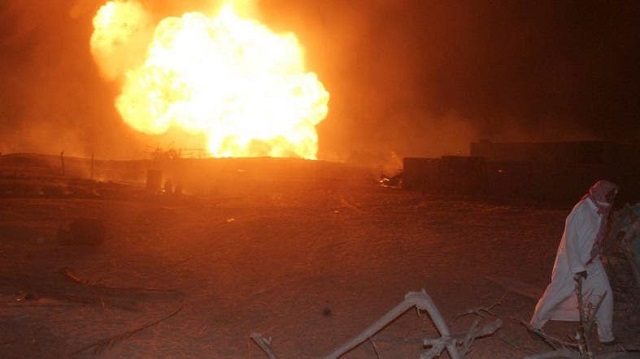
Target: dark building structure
<point x="449" y="174"/>
<point x="557" y="172"/>
<point x="586" y="152"/>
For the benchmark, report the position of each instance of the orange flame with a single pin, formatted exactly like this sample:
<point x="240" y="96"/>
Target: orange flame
<point x="231" y="79"/>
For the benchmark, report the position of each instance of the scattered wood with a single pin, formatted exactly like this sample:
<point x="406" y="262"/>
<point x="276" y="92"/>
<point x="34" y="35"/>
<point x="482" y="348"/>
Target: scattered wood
<point x="587" y="319"/>
<point x="619" y="258"/>
<point x="571" y="354"/>
<point x="551" y="341"/>
<point x="622" y="239"/>
<point x="264" y="344"/>
<point x="561" y="353"/>
<point x="73" y="276"/>
<point x="456" y="345"/>
<point x="108" y="343"/>
<point x="482" y="311"/>
<point x="582" y="348"/>
<point x="126" y="304"/>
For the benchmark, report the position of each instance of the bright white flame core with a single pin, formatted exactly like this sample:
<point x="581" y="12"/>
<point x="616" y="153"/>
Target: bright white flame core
<point x="230" y="79"/>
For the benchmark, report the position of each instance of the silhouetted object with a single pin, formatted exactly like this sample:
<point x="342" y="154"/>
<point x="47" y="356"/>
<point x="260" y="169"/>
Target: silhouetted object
<point x="83" y="231"/>
<point x="62" y="162"/>
<point x="154" y="181"/>
<point x="168" y="187"/>
<point x="391" y="181"/>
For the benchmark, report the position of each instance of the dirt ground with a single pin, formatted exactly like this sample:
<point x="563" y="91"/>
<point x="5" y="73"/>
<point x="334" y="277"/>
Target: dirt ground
<point x="309" y="264"/>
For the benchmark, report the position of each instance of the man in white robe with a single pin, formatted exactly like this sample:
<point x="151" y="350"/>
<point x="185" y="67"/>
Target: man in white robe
<point x="579" y="255"/>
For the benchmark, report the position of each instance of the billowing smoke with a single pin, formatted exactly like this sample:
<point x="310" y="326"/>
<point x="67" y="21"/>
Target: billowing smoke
<point x="51" y="98"/>
<point x="418" y="78"/>
<point x="427" y="77"/>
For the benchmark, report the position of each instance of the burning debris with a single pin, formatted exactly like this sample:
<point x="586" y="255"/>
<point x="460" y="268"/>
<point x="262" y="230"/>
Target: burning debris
<point x="394" y="181"/>
<point x="392" y="172"/>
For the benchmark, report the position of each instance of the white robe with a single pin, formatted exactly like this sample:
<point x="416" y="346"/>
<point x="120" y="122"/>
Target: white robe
<point x="559" y="301"/>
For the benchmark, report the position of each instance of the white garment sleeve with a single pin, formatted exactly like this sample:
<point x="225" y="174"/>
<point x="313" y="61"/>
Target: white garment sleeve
<point x="580" y="231"/>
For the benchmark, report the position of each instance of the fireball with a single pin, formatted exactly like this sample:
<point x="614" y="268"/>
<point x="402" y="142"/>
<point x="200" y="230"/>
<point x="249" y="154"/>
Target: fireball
<point x="230" y="79"/>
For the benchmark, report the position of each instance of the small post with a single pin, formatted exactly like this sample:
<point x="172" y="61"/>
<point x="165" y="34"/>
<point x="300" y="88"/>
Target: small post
<point x="62" y="161"/>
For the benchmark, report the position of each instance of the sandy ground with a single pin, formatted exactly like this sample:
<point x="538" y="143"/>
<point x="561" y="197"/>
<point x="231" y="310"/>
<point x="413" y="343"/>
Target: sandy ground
<point x="309" y="264"/>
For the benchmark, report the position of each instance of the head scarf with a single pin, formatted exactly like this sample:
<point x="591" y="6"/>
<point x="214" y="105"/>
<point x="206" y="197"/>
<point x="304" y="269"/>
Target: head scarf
<point x="598" y="193"/>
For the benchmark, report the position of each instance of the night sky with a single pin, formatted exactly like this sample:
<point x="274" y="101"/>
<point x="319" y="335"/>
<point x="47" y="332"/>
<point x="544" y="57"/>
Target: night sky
<point x="417" y="77"/>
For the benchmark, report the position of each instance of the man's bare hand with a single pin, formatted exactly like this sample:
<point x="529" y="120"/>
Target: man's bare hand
<point x="581" y="275"/>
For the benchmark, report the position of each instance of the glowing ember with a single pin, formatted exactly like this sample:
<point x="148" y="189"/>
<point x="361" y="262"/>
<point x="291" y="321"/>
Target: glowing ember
<point x="231" y="79"/>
